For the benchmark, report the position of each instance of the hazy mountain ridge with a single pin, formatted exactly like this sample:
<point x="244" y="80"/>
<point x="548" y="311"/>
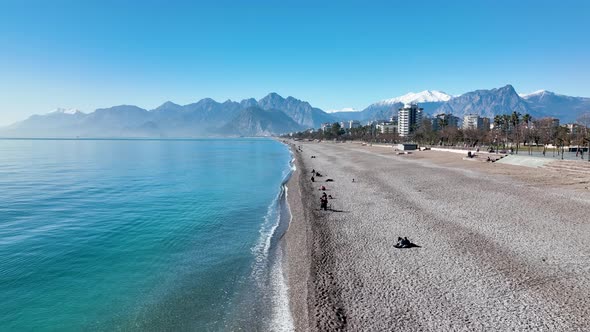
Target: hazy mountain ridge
<point x="255" y="121"/>
<point x="274" y="114"/>
<point x="486" y="103"/>
<point x="546" y="103"/>
<point x="300" y="111"/>
<point x="206" y="117"/>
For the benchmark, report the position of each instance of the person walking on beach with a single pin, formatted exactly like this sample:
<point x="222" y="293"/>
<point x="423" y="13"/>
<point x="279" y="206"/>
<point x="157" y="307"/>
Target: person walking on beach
<point x="312" y="179"/>
<point x="324" y="202"/>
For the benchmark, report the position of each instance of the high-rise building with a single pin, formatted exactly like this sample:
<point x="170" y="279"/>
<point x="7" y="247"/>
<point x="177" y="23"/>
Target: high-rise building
<point x="486" y="123"/>
<point x="408" y="119"/>
<point x="353" y="124"/>
<point x="386" y="127"/>
<point x="472" y="121"/>
<point x="445" y="120"/>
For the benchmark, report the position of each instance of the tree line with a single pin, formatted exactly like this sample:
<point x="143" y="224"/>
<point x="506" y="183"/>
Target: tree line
<point x="510" y="131"/>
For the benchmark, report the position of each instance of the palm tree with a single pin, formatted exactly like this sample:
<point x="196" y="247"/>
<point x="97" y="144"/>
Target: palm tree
<point x="514" y="121"/>
<point x="526" y="119"/>
<point x="498" y="120"/>
<point x="506" y="128"/>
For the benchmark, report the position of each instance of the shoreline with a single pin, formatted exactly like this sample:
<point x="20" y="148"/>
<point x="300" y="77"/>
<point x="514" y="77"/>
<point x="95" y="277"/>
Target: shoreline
<point x="297" y="259"/>
<point x="342" y="273"/>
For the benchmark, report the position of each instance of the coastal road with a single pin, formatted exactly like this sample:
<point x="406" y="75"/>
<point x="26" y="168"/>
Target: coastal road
<point x="495" y="253"/>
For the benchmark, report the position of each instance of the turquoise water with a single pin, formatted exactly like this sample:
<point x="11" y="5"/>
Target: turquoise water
<point x="141" y="234"/>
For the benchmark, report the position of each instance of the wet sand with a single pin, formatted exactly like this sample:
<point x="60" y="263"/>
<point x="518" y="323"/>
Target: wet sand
<point x="502" y="247"/>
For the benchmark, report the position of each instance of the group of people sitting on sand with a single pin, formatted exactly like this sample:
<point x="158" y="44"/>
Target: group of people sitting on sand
<point x="314" y="174"/>
<point x="324" y="199"/>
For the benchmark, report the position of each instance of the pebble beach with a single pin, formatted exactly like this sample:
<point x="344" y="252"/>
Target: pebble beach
<point x="501" y="247"/>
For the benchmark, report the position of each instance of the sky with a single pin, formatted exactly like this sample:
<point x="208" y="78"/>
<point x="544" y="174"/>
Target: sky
<point x="333" y="54"/>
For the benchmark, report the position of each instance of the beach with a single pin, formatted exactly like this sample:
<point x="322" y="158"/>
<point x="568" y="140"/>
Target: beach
<point x="501" y="247"/>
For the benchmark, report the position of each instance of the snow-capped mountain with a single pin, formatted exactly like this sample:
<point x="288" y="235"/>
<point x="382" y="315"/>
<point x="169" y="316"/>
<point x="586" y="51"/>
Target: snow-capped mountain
<point x="346" y="109"/>
<point x="546" y="103"/>
<point x="526" y="95"/>
<point x="387" y="108"/>
<point x="427" y="96"/>
<point x="208" y="117"/>
<point x="65" y="111"/>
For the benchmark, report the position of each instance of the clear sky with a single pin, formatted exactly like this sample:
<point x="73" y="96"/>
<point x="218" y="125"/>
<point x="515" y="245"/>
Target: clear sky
<point x="334" y="54"/>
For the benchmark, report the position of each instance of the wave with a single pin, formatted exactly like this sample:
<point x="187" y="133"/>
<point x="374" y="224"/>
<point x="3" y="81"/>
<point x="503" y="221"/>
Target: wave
<point x="268" y="268"/>
<point x="264" y="302"/>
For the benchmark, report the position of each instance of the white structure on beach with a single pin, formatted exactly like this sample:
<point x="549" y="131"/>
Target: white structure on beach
<point x="408" y="119"/>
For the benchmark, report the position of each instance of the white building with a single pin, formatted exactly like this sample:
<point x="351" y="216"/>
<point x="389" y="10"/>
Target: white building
<point x="473" y="121"/>
<point x="445" y="120"/>
<point x="573" y="128"/>
<point x="354" y="124"/>
<point x="327" y="125"/>
<point x="409" y="118"/>
<point x="387" y="127"/>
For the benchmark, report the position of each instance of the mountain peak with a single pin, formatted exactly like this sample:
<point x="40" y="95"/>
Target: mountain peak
<point x="540" y="93"/>
<point x="273" y="96"/>
<point x="60" y="110"/>
<point x="426" y="96"/>
<point x="168" y="106"/>
<point x="343" y="110"/>
<point x="508" y="88"/>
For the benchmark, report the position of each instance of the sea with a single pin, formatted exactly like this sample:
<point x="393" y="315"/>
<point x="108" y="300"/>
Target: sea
<point x="143" y="234"/>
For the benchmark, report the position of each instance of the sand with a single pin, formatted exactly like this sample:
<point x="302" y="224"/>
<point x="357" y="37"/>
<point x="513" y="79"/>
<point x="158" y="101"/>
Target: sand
<point x="502" y="247"/>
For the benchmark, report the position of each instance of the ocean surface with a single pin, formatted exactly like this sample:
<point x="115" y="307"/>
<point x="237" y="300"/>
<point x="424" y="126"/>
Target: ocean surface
<point x="143" y="235"/>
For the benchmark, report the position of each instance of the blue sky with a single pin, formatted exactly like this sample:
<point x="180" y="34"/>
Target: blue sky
<point x="334" y="54"/>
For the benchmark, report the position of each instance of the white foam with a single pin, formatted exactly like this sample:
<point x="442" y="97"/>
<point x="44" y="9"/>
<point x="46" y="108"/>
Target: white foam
<point x="281" y="320"/>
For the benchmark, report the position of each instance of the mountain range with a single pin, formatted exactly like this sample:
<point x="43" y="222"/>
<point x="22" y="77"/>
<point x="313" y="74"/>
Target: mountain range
<point x="486" y="103"/>
<point x="274" y="114"/>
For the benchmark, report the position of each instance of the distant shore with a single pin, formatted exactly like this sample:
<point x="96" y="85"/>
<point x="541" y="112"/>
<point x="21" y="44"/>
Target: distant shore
<point x="503" y="247"/>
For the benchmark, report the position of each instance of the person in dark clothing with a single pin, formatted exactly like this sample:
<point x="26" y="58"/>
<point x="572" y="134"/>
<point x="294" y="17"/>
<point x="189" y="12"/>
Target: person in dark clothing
<point x="312" y="179"/>
<point x="324" y="202"/>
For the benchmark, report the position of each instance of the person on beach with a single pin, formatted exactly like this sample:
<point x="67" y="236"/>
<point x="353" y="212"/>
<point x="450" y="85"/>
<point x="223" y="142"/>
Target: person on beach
<point x="312" y="179"/>
<point x="324" y="202"/>
<point x="405" y="243"/>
